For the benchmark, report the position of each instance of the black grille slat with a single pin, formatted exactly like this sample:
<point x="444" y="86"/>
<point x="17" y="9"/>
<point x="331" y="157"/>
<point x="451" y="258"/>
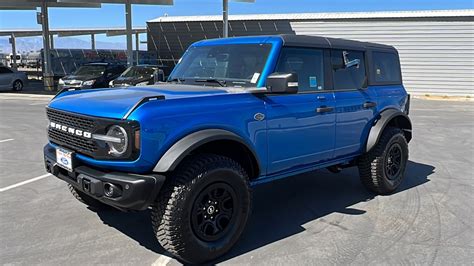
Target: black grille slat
<point x="69" y="140"/>
<point x="70" y="120"/>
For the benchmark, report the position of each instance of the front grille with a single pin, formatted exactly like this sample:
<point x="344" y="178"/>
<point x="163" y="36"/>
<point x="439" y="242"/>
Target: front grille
<point x="77" y="143"/>
<point x="70" y="120"/>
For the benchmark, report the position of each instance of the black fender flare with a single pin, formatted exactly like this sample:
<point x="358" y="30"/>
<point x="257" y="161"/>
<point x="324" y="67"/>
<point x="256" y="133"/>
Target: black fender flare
<point x="183" y="147"/>
<point x="384" y="119"/>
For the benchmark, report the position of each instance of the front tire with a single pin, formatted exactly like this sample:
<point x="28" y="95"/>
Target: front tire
<point x="202" y="210"/>
<point x="382" y="169"/>
<point x="17" y="85"/>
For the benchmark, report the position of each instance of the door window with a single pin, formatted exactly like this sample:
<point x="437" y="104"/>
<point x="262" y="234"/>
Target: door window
<point x="307" y="63"/>
<point x="348" y="78"/>
<point x="386" y="68"/>
<point x="4" y="70"/>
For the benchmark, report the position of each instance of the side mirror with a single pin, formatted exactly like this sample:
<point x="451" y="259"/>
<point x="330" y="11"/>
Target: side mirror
<point x="282" y="83"/>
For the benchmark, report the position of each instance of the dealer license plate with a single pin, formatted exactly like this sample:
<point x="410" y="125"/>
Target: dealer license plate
<point x="64" y="159"/>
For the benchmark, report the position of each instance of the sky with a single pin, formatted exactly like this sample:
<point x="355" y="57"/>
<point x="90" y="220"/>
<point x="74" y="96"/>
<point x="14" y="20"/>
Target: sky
<point x="112" y="15"/>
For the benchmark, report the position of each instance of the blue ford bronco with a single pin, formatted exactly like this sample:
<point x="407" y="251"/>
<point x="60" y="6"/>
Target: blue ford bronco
<point x="233" y="113"/>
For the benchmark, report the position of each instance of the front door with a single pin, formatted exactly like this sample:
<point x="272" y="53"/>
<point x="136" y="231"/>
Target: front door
<point x="300" y="127"/>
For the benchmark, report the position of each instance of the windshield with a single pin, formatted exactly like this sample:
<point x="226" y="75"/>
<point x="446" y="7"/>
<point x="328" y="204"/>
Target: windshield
<point x="90" y="71"/>
<point x="238" y="64"/>
<point x="138" y="72"/>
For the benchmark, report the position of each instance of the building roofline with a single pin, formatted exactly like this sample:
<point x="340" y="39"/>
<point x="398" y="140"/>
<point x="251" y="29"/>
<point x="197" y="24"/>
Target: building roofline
<point x="326" y="16"/>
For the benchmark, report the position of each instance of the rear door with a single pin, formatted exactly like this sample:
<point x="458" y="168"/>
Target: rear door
<point x="387" y="79"/>
<point x="356" y="103"/>
<point x="300" y="127"/>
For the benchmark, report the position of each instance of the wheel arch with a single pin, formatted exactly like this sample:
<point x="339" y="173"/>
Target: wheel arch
<point x="216" y="141"/>
<point x="390" y="117"/>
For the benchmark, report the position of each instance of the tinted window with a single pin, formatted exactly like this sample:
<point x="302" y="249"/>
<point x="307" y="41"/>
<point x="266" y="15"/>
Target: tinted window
<point x="348" y="78"/>
<point x="92" y="70"/>
<point x="5" y="70"/>
<point x="307" y="63"/>
<point x="386" y="68"/>
<point x="138" y="72"/>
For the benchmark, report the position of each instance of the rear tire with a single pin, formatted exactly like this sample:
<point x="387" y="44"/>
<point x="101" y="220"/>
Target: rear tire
<point x="88" y="200"/>
<point x="202" y="211"/>
<point x="382" y="169"/>
<point x="17" y="85"/>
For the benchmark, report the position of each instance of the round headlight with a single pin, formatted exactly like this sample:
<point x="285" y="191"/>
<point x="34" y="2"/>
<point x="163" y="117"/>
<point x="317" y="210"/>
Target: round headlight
<point x="117" y="148"/>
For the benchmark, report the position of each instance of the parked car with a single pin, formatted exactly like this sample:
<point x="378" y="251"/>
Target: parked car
<point x="235" y="112"/>
<point x="138" y="76"/>
<point x="34" y="63"/>
<point x="11" y="79"/>
<point x="91" y="75"/>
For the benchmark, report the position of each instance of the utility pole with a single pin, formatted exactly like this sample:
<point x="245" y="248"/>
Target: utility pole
<point x="128" y="26"/>
<point x="13" y="43"/>
<point x="47" y="74"/>
<point x="225" y="18"/>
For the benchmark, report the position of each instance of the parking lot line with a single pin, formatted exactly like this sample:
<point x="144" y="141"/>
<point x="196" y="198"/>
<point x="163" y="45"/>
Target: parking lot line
<point x="41" y="103"/>
<point x="24" y="182"/>
<point x="163" y="260"/>
<point x="5" y="140"/>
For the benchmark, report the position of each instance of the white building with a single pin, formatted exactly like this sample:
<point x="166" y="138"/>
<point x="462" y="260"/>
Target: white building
<point x="436" y="47"/>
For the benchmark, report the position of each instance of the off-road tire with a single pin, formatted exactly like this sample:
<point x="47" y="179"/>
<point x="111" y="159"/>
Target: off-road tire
<point x="172" y="213"/>
<point x="372" y="165"/>
<point x="17" y="85"/>
<point x="88" y="200"/>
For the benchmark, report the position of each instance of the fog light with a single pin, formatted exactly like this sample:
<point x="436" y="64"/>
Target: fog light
<point x="111" y="190"/>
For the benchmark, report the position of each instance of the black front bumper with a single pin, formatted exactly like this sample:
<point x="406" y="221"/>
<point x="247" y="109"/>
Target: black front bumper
<point x="133" y="191"/>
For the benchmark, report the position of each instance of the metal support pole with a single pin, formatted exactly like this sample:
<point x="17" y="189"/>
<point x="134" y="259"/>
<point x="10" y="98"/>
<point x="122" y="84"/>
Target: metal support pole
<point x="93" y="41"/>
<point x="137" y="44"/>
<point x="128" y="26"/>
<point x="13" y="42"/>
<point x="47" y="73"/>
<point x="225" y="18"/>
<point x="52" y="41"/>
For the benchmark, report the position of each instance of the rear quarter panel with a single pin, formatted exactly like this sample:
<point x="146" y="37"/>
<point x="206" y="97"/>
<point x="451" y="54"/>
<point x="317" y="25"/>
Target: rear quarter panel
<point x="390" y="96"/>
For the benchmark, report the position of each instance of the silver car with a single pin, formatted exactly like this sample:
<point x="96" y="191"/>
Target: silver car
<point x="11" y="79"/>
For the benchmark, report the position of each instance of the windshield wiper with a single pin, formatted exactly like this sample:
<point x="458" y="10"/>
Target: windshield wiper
<point x="176" y="80"/>
<point x="222" y="83"/>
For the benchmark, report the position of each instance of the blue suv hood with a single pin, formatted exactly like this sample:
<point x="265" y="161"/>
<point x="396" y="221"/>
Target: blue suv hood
<point x="115" y="103"/>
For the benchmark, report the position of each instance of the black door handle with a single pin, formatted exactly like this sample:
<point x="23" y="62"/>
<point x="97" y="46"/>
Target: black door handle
<point x="324" y="109"/>
<point x="367" y="105"/>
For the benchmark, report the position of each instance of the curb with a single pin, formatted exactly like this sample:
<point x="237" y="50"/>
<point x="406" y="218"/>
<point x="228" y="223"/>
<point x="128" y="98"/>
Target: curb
<point x="25" y="95"/>
<point x="444" y="98"/>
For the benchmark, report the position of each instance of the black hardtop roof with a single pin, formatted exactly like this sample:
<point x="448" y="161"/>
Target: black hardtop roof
<point x="325" y="42"/>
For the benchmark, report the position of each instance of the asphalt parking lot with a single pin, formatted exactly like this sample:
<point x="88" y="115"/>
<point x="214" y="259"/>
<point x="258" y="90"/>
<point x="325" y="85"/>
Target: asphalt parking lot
<point x="317" y="218"/>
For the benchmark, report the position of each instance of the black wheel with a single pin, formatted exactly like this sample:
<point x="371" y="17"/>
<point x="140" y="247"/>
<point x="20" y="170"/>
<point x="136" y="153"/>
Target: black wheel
<point x="17" y="85"/>
<point x="383" y="168"/>
<point x="203" y="208"/>
<point x="88" y="200"/>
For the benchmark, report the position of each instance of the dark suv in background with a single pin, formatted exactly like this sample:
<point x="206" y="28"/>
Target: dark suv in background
<point x="91" y="75"/>
<point x="139" y="75"/>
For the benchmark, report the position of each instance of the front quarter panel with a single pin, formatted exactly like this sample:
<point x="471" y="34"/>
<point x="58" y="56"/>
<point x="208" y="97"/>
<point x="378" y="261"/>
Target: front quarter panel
<point x="163" y="123"/>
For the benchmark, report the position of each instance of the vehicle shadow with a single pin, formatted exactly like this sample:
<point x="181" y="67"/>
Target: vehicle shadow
<point x="280" y="208"/>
